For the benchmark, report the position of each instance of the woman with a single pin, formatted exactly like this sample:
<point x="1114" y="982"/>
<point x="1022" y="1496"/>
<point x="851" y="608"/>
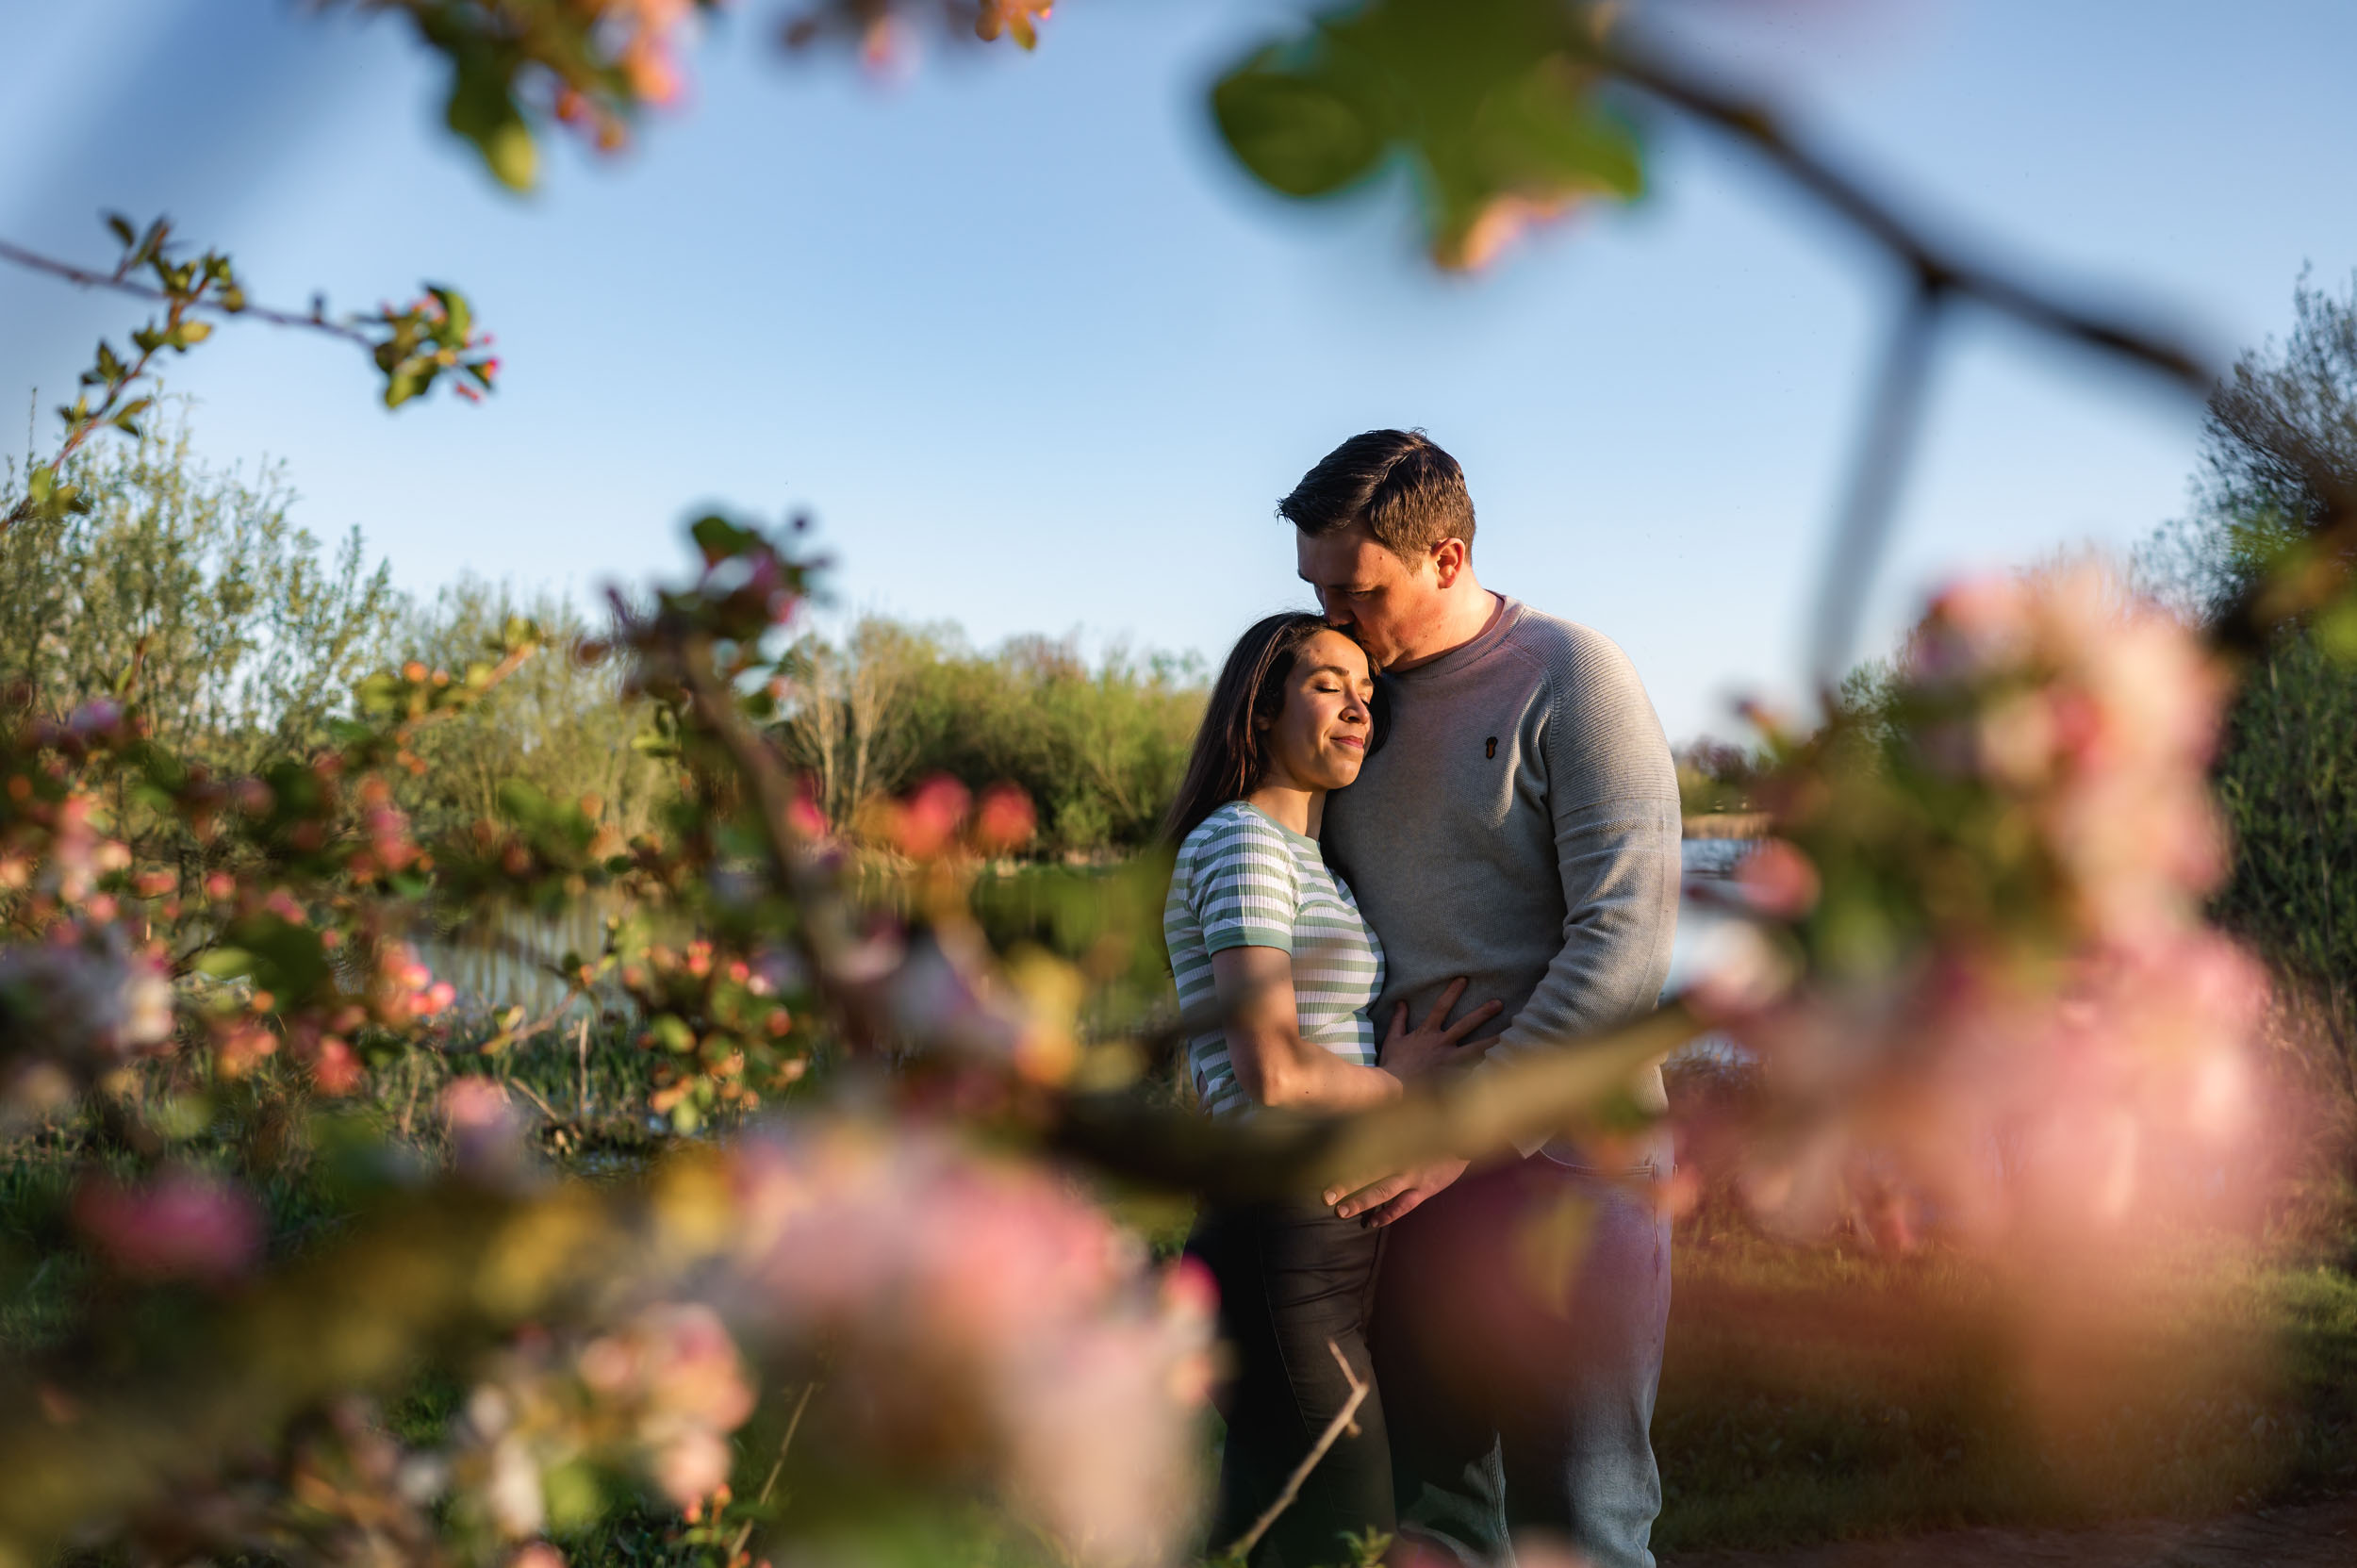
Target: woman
<point x="1266" y="938"/>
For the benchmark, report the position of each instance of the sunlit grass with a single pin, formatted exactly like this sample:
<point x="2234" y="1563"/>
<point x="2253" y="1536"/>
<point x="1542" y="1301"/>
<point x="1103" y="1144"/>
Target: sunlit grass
<point x="1814" y="1393"/>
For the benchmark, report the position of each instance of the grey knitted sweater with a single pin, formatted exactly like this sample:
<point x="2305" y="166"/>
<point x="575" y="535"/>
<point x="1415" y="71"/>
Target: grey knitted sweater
<point x="1518" y="827"/>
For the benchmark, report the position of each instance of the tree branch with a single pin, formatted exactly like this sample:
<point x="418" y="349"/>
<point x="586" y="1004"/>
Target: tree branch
<point x="1495" y="1106"/>
<point x="1936" y="269"/>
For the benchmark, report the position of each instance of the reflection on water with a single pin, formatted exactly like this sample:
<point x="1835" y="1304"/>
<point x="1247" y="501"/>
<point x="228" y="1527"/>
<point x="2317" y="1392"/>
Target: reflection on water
<point x="508" y="956"/>
<point x="1704" y="930"/>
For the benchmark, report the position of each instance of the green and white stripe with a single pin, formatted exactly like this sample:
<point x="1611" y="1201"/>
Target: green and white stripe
<point x="1244" y="881"/>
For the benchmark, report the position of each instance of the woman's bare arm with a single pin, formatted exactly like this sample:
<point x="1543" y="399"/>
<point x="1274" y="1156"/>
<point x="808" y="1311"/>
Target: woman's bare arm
<point x="1273" y="1063"/>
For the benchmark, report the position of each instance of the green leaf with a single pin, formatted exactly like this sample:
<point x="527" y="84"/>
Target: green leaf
<point x="1494" y="104"/>
<point x="225" y="963"/>
<point x="454" y="306"/>
<point x="1299" y="134"/>
<point x="718" y="538"/>
<point x="483" y="109"/>
<point x="123" y="229"/>
<point x="1547" y="130"/>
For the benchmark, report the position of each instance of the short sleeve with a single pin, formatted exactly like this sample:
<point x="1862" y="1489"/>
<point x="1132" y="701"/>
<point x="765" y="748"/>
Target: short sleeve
<point x="1246" y="890"/>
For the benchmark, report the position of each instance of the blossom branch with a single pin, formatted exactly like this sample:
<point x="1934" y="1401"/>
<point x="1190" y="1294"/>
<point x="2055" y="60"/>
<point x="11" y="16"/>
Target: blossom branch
<point x="119" y="281"/>
<point x="413" y="345"/>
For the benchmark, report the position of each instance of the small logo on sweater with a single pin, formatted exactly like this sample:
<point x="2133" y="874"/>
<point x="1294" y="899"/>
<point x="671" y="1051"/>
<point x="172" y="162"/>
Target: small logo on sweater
<point x="1490" y="746"/>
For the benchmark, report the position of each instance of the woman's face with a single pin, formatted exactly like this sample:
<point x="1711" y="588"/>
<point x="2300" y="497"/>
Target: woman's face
<point x="1319" y="737"/>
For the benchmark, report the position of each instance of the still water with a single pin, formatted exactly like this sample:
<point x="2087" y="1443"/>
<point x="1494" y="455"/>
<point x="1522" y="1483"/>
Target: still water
<point x="509" y="956"/>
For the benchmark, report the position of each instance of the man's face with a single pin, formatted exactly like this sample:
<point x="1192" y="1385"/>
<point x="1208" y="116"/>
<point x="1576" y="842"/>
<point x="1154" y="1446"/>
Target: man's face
<point x="1385" y="603"/>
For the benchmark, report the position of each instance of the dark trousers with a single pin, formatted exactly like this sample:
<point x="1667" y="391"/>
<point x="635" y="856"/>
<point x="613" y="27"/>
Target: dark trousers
<point x="1292" y="1279"/>
<point x="1518" y="1337"/>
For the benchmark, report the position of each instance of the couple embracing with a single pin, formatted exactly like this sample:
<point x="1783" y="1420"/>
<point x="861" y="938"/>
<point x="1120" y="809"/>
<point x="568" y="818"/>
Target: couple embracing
<point x="1431" y="827"/>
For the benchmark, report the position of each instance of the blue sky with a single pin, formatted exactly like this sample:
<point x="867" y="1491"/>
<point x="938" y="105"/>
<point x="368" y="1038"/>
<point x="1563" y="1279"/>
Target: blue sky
<point x="1037" y="358"/>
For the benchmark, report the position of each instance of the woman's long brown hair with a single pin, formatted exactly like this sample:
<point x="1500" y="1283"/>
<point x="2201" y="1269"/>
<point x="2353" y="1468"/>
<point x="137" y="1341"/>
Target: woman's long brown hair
<point x="1230" y="756"/>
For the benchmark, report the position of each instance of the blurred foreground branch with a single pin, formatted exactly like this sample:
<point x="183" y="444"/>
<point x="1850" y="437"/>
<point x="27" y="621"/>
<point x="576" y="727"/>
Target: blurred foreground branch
<point x="1473" y="1114"/>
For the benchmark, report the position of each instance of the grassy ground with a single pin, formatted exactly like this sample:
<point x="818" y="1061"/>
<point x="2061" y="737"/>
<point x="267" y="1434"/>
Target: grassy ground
<point x="1813" y="1394"/>
<point x="1810" y="1393"/>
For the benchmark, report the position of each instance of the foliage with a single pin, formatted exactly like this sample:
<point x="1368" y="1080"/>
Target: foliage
<point x="518" y="67"/>
<point x="189" y="593"/>
<point x="1494" y="107"/>
<point x="561" y="726"/>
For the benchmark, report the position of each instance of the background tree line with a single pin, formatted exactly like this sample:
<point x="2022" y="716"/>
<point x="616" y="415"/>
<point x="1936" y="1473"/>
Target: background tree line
<point x="187" y="586"/>
<point x="1099" y="747"/>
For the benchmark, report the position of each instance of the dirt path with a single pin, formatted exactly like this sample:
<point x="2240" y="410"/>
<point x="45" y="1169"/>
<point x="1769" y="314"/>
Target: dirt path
<point x="2309" y="1535"/>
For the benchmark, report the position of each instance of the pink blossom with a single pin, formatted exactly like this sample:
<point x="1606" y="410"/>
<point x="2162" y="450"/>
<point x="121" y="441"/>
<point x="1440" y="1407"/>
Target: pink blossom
<point x="180" y="1226"/>
<point x="2050" y="1039"/>
<point x="93" y="1000"/>
<point x="986" y="1316"/>
<point x="1004" y="821"/>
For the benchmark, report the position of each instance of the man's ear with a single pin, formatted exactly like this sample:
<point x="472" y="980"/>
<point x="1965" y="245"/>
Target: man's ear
<point x="1449" y="559"/>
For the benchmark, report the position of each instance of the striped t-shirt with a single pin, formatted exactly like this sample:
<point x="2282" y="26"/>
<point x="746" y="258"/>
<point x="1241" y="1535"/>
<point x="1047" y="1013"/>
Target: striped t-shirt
<point x="1244" y="881"/>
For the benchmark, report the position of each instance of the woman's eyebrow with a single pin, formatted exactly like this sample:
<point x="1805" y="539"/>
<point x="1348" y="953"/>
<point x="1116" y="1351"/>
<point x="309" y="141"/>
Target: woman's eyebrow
<point x="1336" y="669"/>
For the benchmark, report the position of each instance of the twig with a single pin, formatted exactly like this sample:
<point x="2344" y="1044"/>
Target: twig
<point x="121" y="284"/>
<point x="1344" y="1418"/>
<point x="524" y="1089"/>
<point x="777" y="1467"/>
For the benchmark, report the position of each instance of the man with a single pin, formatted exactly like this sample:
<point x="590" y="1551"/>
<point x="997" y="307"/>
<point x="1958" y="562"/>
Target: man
<point x="1520" y="827"/>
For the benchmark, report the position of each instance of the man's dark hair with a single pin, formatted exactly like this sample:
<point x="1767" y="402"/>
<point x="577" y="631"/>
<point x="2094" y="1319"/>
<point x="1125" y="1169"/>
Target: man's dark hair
<point x="1410" y="493"/>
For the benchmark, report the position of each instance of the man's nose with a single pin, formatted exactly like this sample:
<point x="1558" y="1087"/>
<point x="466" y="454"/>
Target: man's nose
<point x="1334" y="611"/>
